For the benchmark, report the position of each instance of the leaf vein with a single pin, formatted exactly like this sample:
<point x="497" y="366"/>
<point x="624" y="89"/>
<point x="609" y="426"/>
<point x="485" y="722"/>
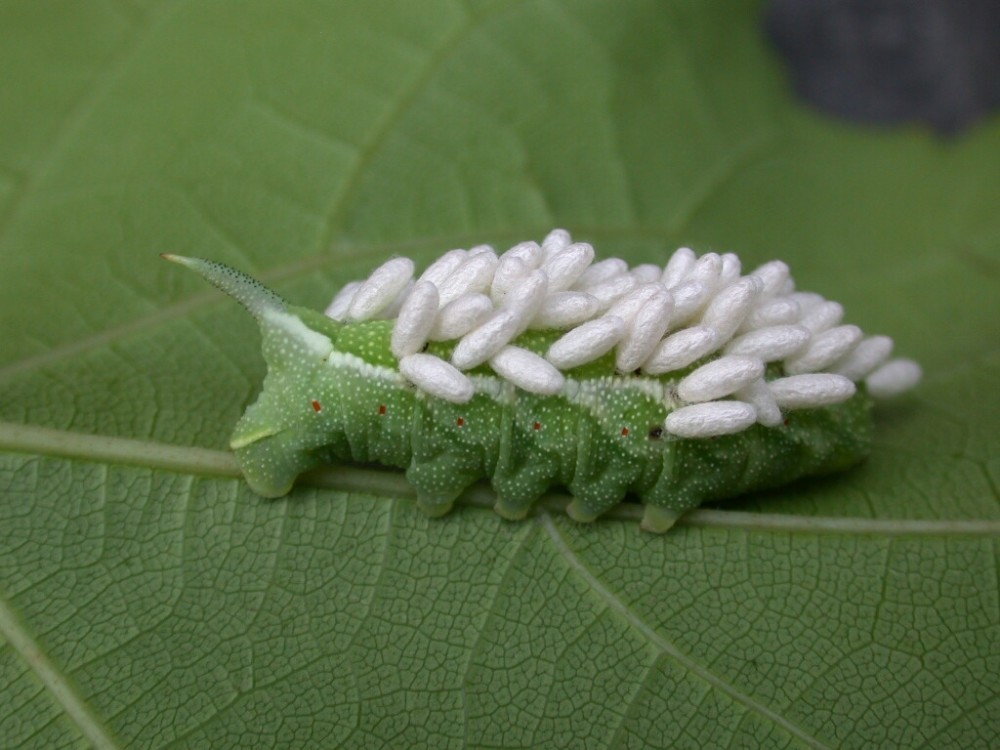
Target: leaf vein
<point x="666" y="647"/>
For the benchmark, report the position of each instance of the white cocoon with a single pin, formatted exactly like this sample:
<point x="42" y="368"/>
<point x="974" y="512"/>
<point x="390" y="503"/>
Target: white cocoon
<point x="525" y="299"/>
<point x="473" y="276"/>
<point x="720" y="378"/>
<point x="479" y="345"/>
<point x="824" y="349"/>
<point x="415" y="320"/>
<point x="564" y="309"/>
<point x="341" y="303"/>
<point x="707" y="420"/>
<point x="644" y="331"/>
<point x="867" y="355"/>
<point x="586" y="342"/>
<point x="527" y="371"/>
<point x="629" y="304"/>
<point x="893" y="378"/>
<point x="770" y="344"/>
<point x="610" y="291"/>
<point x="457" y="318"/>
<point x="772" y="312"/>
<point x="730" y="306"/>
<point x="760" y="397"/>
<point x="554" y="240"/>
<point x="678" y="267"/>
<point x="814" y="389"/>
<point x="381" y="288"/>
<point x="443" y="267"/>
<point x="565" y="266"/>
<point x="731" y="268"/>
<point x="681" y="349"/>
<point x="435" y="376"/>
<point x="773" y="276"/>
<point x="529" y="253"/>
<point x="510" y="270"/>
<point x="647" y="273"/>
<point x="822" y="316"/>
<point x="602" y="271"/>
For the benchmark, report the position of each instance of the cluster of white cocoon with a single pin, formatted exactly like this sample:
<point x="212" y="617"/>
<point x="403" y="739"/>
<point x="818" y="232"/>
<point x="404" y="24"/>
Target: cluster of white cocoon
<point x="657" y="320"/>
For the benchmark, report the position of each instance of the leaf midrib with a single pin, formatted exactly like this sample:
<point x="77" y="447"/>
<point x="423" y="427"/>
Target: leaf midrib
<point x="46" y="441"/>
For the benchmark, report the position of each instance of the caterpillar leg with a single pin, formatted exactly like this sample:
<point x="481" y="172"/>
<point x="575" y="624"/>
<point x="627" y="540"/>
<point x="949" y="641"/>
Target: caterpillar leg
<point x="439" y="481"/>
<point x="517" y="492"/>
<point x="664" y="498"/>
<point x="658" y="519"/>
<point x="594" y="496"/>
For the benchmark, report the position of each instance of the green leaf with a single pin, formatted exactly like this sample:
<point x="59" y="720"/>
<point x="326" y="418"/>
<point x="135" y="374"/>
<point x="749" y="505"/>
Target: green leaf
<point x="147" y="599"/>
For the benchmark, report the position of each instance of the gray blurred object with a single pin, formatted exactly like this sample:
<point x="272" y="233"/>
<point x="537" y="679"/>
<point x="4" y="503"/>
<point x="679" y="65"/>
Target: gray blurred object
<point x="893" y="61"/>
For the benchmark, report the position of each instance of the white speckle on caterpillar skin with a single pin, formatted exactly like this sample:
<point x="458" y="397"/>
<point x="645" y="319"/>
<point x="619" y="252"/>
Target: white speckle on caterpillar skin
<point x="586" y="342"/>
<point x="811" y="390"/>
<point x="719" y="378"/>
<point x="314" y="341"/>
<point x="527" y="370"/>
<point x="710" y="419"/>
<point x="436" y="377"/>
<point x="893" y="378"/>
<point x="381" y="288"/>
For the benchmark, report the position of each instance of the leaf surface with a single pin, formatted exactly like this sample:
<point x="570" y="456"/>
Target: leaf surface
<point x="148" y="599"/>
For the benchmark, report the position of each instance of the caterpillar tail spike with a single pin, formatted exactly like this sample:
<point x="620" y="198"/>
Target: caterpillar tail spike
<point x="245" y="289"/>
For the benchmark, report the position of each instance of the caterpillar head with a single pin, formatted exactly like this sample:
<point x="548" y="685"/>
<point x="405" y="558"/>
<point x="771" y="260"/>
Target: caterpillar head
<point x="278" y="437"/>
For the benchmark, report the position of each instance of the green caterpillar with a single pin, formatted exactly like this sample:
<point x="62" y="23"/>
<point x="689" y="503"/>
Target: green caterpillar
<point x="541" y="368"/>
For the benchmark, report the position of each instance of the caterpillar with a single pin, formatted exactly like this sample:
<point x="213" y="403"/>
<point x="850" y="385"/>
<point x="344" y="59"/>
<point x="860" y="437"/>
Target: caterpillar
<point x="542" y="367"/>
